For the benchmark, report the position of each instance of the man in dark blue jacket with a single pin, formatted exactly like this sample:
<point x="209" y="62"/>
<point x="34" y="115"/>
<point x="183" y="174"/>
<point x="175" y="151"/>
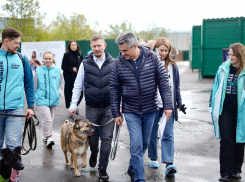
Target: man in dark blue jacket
<point x="94" y="75"/>
<point x="15" y="78"/>
<point x="135" y="77"/>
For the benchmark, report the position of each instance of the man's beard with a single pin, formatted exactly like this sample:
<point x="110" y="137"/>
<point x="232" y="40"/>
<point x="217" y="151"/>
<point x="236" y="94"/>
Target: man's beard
<point x="98" y="56"/>
<point x="12" y="51"/>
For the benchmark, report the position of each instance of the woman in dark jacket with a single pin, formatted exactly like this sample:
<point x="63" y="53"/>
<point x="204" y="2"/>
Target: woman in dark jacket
<point x="70" y="66"/>
<point x="163" y="46"/>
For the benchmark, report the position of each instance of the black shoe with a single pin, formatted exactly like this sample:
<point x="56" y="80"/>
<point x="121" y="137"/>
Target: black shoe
<point x="236" y="175"/>
<point x="224" y="178"/>
<point x="93" y="160"/>
<point x="103" y="174"/>
<point x="131" y="175"/>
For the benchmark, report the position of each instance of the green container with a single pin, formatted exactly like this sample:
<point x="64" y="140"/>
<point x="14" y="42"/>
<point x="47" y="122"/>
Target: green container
<point x="216" y="35"/>
<point x="196" y="47"/>
<point x="111" y="47"/>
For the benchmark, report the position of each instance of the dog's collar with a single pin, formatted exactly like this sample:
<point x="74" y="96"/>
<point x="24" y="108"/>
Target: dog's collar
<point x="3" y="180"/>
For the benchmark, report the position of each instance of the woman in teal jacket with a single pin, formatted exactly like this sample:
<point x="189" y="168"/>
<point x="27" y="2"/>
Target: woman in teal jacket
<point x="49" y="86"/>
<point x="228" y="112"/>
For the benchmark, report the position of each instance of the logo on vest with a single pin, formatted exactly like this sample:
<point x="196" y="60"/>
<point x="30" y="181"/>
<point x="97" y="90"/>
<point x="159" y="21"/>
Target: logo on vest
<point x="147" y="65"/>
<point x="15" y="66"/>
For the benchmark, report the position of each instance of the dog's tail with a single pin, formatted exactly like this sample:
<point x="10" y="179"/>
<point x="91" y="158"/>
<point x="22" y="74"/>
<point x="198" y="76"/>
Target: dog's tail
<point x="66" y="121"/>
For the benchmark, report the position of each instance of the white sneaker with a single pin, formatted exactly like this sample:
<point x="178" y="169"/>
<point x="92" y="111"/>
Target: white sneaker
<point x="50" y="142"/>
<point x="153" y="164"/>
<point x="44" y="139"/>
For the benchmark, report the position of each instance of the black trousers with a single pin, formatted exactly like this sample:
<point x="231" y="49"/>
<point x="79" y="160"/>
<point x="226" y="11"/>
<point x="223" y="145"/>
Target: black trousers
<point x="69" y="84"/>
<point x="231" y="153"/>
<point x="101" y="116"/>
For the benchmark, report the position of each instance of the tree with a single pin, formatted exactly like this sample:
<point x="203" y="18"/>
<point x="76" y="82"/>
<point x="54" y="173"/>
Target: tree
<point x="117" y="29"/>
<point x="73" y="28"/>
<point x="24" y="15"/>
<point x="152" y="32"/>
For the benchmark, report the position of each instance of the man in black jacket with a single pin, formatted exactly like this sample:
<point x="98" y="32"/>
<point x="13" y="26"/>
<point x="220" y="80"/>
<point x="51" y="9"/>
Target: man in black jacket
<point x="135" y="77"/>
<point x="94" y="75"/>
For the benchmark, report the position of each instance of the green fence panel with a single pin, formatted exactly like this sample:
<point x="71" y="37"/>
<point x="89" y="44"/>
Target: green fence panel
<point x="216" y="35"/>
<point x="19" y="50"/>
<point x="111" y="47"/>
<point x="196" y="47"/>
<point x="185" y="55"/>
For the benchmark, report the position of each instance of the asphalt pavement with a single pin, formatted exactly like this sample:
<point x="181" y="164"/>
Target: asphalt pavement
<point x="196" y="148"/>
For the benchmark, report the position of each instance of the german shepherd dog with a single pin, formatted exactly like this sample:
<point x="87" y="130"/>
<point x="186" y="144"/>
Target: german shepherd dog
<point x="11" y="163"/>
<point x="74" y="138"/>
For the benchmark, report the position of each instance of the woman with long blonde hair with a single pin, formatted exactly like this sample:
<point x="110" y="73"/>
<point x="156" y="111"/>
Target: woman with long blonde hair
<point x="49" y="86"/>
<point x="228" y="110"/>
<point x="163" y="48"/>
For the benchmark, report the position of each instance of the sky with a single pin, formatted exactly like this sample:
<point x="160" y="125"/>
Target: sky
<point x="176" y="15"/>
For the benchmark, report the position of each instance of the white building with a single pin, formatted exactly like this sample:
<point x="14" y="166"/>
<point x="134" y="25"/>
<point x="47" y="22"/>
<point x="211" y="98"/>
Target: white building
<point x="179" y="39"/>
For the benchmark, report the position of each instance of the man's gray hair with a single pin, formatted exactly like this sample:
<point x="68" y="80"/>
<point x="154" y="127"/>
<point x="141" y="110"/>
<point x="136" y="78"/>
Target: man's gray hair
<point x="128" y="38"/>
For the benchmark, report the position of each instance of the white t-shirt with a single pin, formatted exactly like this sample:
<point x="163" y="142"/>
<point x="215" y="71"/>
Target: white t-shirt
<point x="170" y="77"/>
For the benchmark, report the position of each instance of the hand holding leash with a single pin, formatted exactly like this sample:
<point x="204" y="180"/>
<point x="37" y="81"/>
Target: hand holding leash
<point x="29" y="113"/>
<point x="72" y="112"/>
<point x="119" y="120"/>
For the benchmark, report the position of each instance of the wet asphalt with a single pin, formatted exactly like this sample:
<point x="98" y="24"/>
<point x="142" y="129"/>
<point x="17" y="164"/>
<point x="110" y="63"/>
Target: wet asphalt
<point x="196" y="148"/>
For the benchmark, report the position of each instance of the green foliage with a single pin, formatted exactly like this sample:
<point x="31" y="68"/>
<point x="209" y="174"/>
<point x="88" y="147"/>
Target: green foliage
<point x="117" y="29"/>
<point x="152" y="32"/>
<point x="24" y="15"/>
<point x="73" y="28"/>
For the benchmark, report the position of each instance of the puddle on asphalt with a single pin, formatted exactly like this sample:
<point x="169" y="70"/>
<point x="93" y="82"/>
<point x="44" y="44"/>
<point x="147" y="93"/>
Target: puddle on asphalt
<point x="202" y="91"/>
<point x="186" y="120"/>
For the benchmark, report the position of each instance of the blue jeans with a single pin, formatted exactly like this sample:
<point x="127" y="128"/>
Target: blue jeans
<point x="167" y="143"/>
<point x="139" y="127"/>
<point x="152" y="146"/>
<point x="12" y="126"/>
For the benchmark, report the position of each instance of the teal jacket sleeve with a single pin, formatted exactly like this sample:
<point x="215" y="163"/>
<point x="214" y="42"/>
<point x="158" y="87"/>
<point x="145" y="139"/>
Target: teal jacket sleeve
<point x="29" y="83"/>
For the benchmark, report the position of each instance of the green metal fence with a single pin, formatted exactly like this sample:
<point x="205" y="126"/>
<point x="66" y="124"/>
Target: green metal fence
<point x="111" y="47"/>
<point x="216" y="35"/>
<point x="196" y="47"/>
<point x="185" y="55"/>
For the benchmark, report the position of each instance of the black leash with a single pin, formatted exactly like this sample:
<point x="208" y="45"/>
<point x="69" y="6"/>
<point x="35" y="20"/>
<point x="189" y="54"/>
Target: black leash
<point x="114" y="148"/>
<point x="93" y="123"/>
<point x="30" y="129"/>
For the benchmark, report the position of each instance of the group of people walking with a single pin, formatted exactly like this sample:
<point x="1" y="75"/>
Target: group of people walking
<point x="142" y="83"/>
